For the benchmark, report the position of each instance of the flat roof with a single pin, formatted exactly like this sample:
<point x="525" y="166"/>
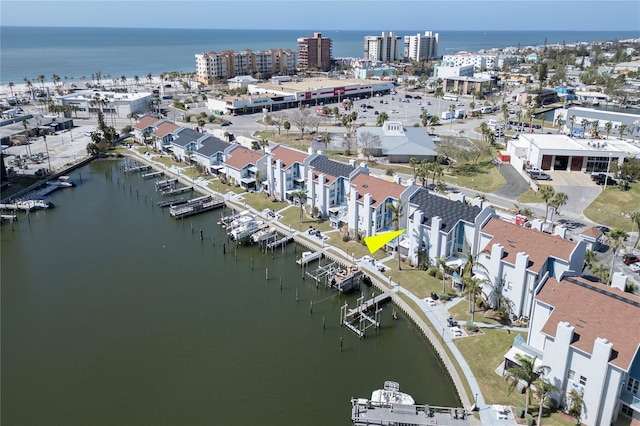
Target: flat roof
<point x="591" y="147"/>
<point x="309" y="84"/>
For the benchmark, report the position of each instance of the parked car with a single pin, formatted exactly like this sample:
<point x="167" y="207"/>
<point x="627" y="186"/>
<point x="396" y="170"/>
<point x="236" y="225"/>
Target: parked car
<point x="629" y="258"/>
<point x="603" y="228"/>
<point x="539" y="176"/>
<point x="635" y="267"/>
<point x="225" y="123"/>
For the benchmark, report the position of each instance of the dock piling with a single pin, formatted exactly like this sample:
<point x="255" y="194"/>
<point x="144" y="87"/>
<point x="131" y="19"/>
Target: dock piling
<point x="266" y="274"/>
<point x="252" y="263"/>
<point x="224" y="248"/>
<point x="280" y="284"/>
<point x="201" y="236"/>
<point x="297" y="298"/>
<point x="311" y="306"/>
<point x="340" y="343"/>
<point x="323" y="322"/>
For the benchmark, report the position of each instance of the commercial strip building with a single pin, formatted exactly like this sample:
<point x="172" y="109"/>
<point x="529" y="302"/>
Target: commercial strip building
<point x="286" y="93"/>
<point x="314" y="52"/>
<point x="382" y="48"/>
<point x="558" y="152"/>
<point x="228" y="64"/>
<point x="617" y="118"/>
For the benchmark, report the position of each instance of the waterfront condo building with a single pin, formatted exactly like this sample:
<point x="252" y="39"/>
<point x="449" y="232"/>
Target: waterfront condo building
<point x="227" y="64"/>
<point x="589" y="335"/>
<point x="285" y="172"/>
<point x="314" y="52"/>
<point x="421" y="47"/>
<point x="383" y="48"/>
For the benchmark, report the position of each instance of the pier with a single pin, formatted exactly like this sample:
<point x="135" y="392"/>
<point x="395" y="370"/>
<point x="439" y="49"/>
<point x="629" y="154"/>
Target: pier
<point x="365" y="413"/>
<point x="26" y="205"/>
<point x="310" y="257"/>
<point x="282" y="241"/>
<point x="163" y="185"/>
<point x="136" y="168"/>
<point x="195" y="206"/>
<point x="175" y="191"/>
<point x="173" y="202"/>
<point x="374" y="301"/>
<point x="152" y="174"/>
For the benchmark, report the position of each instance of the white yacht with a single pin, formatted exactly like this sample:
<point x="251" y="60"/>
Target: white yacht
<point x="243" y="231"/>
<point x="391" y="395"/>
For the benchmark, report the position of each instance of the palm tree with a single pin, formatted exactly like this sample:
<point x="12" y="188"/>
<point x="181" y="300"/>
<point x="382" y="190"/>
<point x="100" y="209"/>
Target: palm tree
<point x="452" y="109"/>
<point x="397" y="212"/>
<point x="589" y="259"/>
<point x="560" y="121"/>
<point x="608" y="126"/>
<point x="442" y="261"/>
<point x="543" y="390"/>
<point x="301" y="195"/>
<point x="41" y="78"/>
<point x="471" y="286"/>
<point x="558" y="200"/>
<point x="11" y="84"/>
<point x="621" y="129"/>
<point x="572" y="119"/>
<point x="519" y="117"/>
<point x="615" y="237"/>
<point x="136" y="79"/>
<point x="326" y="139"/>
<point x="530" y="114"/>
<point x="600" y="271"/>
<point x="527" y="372"/>
<point x="547" y="193"/>
<point x="595" y="126"/>
<point x="584" y="123"/>
<point x="413" y="163"/>
<point x="575" y="404"/>
<point x="382" y="117"/>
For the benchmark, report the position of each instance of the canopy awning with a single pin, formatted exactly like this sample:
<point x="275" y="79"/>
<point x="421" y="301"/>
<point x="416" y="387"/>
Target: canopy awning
<point x="301" y="180"/>
<point x="334" y="209"/>
<point x="516" y="350"/>
<point x="218" y="167"/>
<point x="247" y="181"/>
<point x="456" y="262"/>
<point x="253" y="169"/>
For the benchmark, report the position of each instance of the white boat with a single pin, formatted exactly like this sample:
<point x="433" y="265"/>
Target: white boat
<point x="241" y="219"/>
<point x="263" y="235"/>
<point x="243" y="231"/>
<point x="391" y="395"/>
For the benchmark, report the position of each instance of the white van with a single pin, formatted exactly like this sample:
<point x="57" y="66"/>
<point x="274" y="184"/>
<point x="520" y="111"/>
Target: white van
<point x="492" y="122"/>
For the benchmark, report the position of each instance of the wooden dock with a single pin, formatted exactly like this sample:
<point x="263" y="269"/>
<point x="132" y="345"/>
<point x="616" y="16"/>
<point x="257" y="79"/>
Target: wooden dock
<point x="309" y="258"/>
<point x="162" y="185"/>
<point x="136" y="168"/>
<point x="350" y="316"/>
<point x="152" y="174"/>
<point x="173" y="202"/>
<point x="196" y="207"/>
<point x="280" y="242"/>
<point x="176" y="191"/>
<point x="365" y="412"/>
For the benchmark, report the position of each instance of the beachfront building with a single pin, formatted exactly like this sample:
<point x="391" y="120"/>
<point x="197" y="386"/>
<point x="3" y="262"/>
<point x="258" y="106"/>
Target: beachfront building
<point x="512" y="261"/>
<point x="228" y="64"/>
<point x="327" y="185"/>
<point x="438" y="227"/>
<point x="589" y="336"/>
<point x="314" y="53"/>
<point x="382" y="48"/>
<point x="294" y="93"/>
<point x="458" y="59"/>
<point x="285" y="172"/>
<point x="112" y="104"/>
<point x="398" y="144"/>
<point x="421" y="47"/>
<point x="562" y="153"/>
<point x="368" y="203"/>
<point x="244" y="167"/>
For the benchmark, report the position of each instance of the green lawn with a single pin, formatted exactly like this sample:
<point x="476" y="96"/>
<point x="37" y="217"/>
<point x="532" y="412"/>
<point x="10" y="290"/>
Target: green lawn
<point x="291" y="217"/>
<point x="352" y="247"/>
<point x="416" y="281"/>
<point x="611" y="206"/>
<point x="220" y="187"/>
<point x="168" y="161"/>
<point x="261" y="201"/>
<point x="483" y="176"/>
<point x="530" y="196"/>
<point x="461" y="313"/>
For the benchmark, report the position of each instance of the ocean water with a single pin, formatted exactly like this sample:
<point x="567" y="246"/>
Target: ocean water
<point x="76" y="52"/>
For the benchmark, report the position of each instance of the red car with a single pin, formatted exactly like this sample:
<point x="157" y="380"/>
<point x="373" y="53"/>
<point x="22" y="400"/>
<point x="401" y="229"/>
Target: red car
<point x="628" y="259"/>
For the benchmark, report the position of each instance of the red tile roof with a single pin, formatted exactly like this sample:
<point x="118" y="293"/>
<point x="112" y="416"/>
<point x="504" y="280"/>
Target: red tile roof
<point x="379" y="189"/>
<point x="288" y="156"/>
<point x="592" y="232"/>
<point x="144" y="122"/>
<point x="594" y="310"/>
<point x="165" y="128"/>
<point x="538" y="245"/>
<point x="241" y="157"/>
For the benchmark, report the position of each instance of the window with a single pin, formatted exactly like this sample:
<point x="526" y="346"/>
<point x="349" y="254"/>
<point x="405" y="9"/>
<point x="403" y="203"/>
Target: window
<point x="626" y="410"/>
<point x="572" y="375"/>
<point x="583" y="380"/>
<point x="632" y="385"/>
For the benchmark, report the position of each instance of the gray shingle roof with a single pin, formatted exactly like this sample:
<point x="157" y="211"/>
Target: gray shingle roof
<point x="451" y="212"/>
<point x="212" y="145"/>
<point x="332" y="168"/>
<point x="186" y="136"/>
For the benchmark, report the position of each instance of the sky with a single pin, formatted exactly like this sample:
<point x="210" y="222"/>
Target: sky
<point x="483" y="15"/>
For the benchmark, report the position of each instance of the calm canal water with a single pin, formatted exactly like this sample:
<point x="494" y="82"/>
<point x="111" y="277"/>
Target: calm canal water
<point x="114" y="313"/>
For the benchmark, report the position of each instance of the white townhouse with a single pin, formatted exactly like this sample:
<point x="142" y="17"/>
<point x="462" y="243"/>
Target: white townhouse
<point x="163" y="134"/>
<point x="145" y="126"/>
<point x="441" y="227"/>
<point x="186" y="143"/>
<point x="589" y="335"/>
<point x="513" y="260"/>
<point x="368" y="197"/>
<point x="285" y="171"/>
<point x="244" y="166"/>
<point x="327" y="185"/>
<point x="210" y="154"/>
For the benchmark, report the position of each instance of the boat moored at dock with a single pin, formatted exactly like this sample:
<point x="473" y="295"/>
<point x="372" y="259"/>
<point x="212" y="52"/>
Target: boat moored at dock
<point x="27" y="205"/>
<point x="391" y="394"/>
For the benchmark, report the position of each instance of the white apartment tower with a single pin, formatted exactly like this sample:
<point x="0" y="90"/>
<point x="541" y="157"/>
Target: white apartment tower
<point x="382" y="48"/>
<point x="421" y="47"/>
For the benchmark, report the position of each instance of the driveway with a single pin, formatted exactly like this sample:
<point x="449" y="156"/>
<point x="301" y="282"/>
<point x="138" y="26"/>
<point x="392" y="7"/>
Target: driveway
<point x="516" y="185"/>
<point x="580" y="190"/>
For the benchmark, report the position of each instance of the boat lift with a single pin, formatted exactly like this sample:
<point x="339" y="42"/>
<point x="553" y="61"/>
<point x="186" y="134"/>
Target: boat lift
<point x="359" y="315"/>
